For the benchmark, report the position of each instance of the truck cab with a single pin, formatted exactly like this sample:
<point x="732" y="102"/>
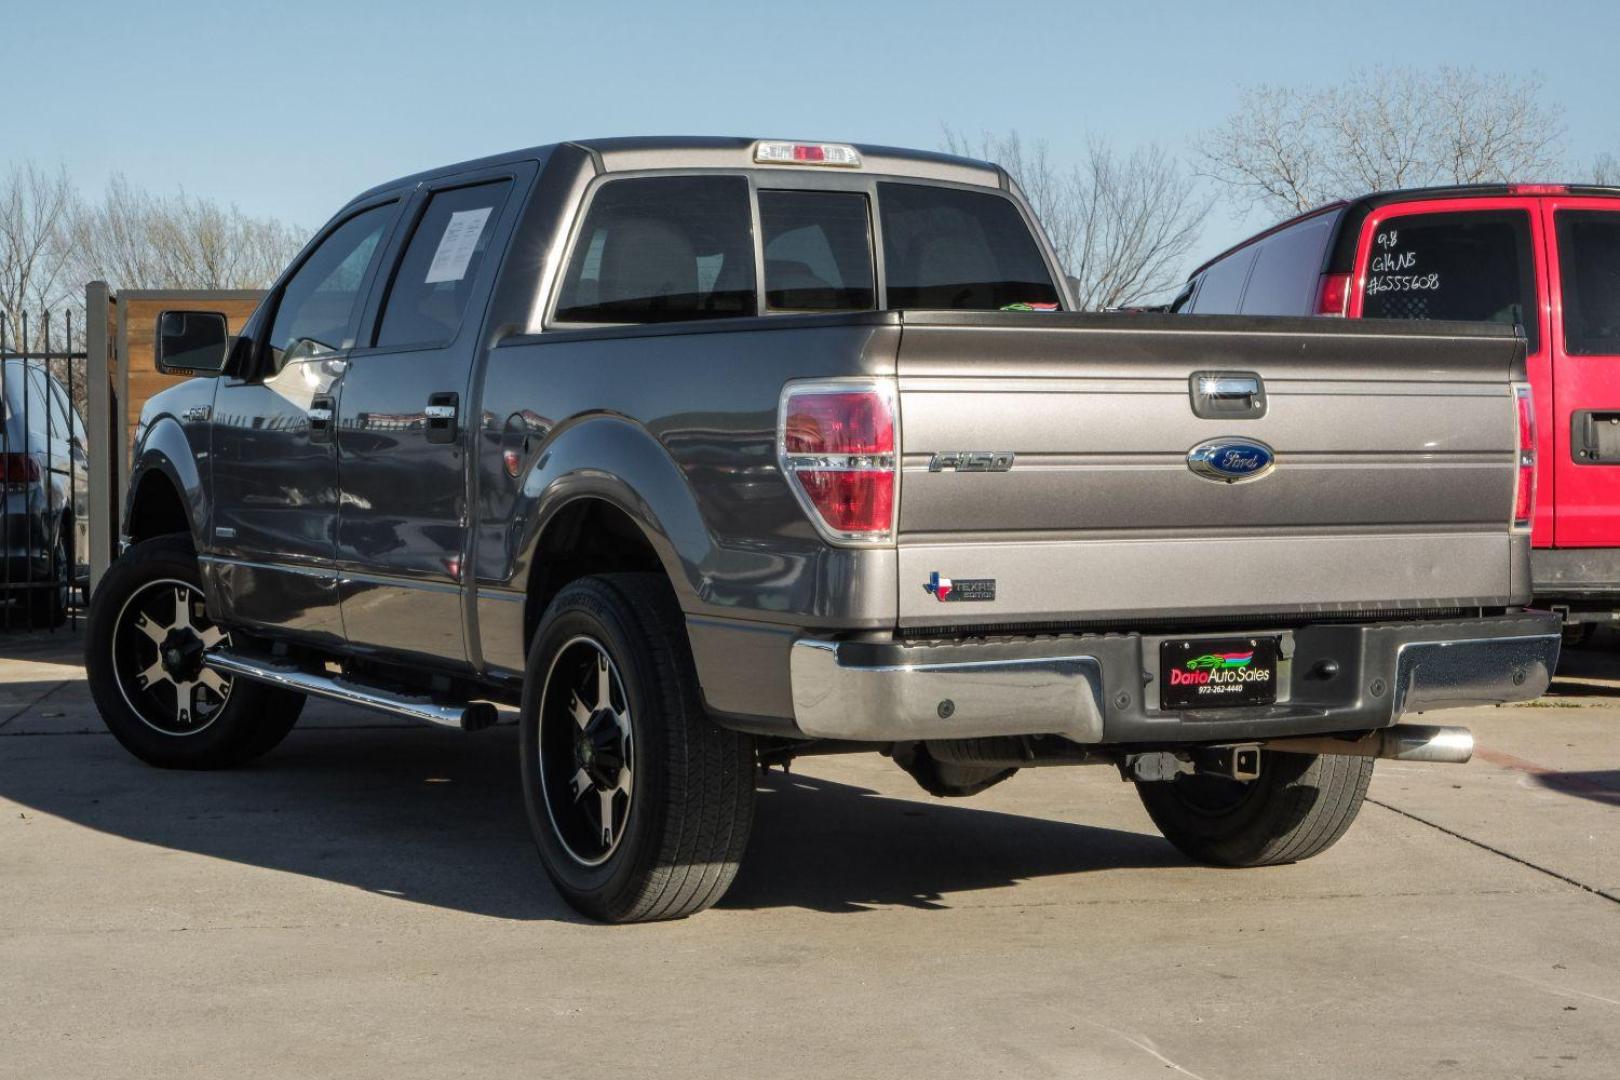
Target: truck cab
<point x="1541" y="257"/>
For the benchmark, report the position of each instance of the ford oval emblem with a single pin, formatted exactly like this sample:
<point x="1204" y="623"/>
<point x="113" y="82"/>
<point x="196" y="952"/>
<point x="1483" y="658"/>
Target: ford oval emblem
<point x="1231" y="460"/>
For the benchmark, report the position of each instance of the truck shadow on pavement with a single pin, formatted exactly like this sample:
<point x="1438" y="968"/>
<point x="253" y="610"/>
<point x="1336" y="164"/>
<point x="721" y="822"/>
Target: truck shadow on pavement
<point x="437" y="818"/>
<point x="839" y="848"/>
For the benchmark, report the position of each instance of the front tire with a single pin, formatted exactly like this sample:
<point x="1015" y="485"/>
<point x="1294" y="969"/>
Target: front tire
<point x="639" y="803"/>
<point x="1299" y="807"/>
<point x="144" y="641"/>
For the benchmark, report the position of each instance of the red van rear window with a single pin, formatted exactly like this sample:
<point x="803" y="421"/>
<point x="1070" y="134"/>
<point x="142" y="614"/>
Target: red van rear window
<point x="1473" y="265"/>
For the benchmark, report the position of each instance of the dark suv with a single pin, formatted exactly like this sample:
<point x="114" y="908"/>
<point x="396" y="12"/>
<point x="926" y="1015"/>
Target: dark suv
<point x="43" y="481"/>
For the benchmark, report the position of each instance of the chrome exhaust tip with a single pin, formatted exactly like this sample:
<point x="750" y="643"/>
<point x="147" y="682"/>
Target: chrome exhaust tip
<point x="1404" y="742"/>
<point x="1424" y="742"/>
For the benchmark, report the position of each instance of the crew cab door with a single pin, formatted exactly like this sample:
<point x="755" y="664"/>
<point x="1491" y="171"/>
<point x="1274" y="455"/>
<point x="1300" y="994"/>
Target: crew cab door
<point x="1583" y="264"/>
<point x="268" y="556"/>
<point x="1476" y="259"/>
<point x="406" y="422"/>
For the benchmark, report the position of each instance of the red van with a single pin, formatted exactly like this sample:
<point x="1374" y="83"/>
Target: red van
<point x="1543" y="256"/>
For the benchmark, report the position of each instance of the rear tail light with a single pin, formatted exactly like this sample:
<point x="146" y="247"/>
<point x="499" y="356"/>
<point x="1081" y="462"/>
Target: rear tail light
<point x="1334" y="298"/>
<point x="18" y="470"/>
<point x="1524" y="492"/>
<point x="838" y="447"/>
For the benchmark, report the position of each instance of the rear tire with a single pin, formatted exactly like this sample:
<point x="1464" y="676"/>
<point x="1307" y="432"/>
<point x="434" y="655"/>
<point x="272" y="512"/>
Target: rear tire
<point x="639" y="803"/>
<point x="50" y="605"/>
<point x="167" y="710"/>
<point x="1300" y="805"/>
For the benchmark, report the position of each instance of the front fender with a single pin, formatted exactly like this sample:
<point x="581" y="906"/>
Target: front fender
<point x="163" y="452"/>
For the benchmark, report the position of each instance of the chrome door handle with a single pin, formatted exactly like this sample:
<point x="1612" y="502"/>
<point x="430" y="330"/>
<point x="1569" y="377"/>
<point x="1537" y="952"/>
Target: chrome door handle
<point x="441" y="416"/>
<point x="320" y="413"/>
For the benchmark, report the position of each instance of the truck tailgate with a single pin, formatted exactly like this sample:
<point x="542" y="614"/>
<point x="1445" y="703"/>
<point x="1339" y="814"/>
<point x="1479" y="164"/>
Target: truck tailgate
<point x="1392" y="488"/>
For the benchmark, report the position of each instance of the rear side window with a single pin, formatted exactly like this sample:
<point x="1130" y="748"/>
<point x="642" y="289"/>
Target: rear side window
<point x="948" y="248"/>
<point x="1474" y="265"/>
<point x="1287" y="269"/>
<point x="818" y="251"/>
<point x="663" y="249"/>
<point x="435" y="279"/>
<point x="1589" y="263"/>
<point x="1222" y="285"/>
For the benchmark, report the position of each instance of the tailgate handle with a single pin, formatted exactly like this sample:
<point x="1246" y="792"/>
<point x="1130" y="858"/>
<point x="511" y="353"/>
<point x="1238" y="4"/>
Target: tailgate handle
<point x="1227" y="395"/>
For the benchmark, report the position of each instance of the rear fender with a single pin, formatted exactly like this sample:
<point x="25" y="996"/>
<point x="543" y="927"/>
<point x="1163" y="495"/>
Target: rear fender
<point x="610" y="458"/>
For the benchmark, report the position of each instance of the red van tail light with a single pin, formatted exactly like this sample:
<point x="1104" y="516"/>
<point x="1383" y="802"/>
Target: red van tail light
<point x="1539" y="189"/>
<point x="1524" y="495"/>
<point x="837" y="445"/>
<point x="1334" y="299"/>
<point x="18" y="470"/>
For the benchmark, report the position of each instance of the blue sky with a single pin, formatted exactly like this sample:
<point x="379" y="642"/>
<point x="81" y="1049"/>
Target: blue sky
<point x="288" y="109"/>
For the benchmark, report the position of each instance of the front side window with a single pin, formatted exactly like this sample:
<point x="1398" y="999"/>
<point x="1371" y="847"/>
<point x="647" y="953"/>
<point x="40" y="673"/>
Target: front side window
<point x="663" y="249"/>
<point x="818" y="251"/>
<point x="948" y="248"/>
<point x="1473" y="265"/>
<point x="435" y="280"/>
<point x="1589" y="264"/>
<point x="315" y="314"/>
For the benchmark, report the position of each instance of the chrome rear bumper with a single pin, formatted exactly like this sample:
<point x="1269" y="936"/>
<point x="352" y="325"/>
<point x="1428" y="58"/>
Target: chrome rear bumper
<point x="1103" y="689"/>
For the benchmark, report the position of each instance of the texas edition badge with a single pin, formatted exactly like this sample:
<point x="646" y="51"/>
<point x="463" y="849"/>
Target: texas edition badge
<point x="961" y="590"/>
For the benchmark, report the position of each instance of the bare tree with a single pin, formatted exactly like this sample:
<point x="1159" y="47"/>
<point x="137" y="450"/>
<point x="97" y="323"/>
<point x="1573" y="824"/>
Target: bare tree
<point x="1122" y="225"/>
<point x="1287" y="149"/>
<point x="1606" y="170"/>
<point x="35" y="207"/>
<point x="135" y="239"/>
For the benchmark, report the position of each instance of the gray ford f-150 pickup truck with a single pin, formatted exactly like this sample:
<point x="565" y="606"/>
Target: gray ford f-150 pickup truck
<point x="708" y="453"/>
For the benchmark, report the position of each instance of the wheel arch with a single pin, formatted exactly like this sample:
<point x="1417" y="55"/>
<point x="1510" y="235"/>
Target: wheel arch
<point x="587" y="535"/>
<point x="166" y="493"/>
<point x="605" y="496"/>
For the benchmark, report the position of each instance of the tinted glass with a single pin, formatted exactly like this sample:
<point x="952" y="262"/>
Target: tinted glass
<point x="1222" y="285"/>
<point x="317" y="307"/>
<point x="663" y="249"/>
<point x="435" y="278"/>
<point x="1589" y="263"/>
<point x="818" y="251"/>
<point x="948" y="248"/>
<point x="34" y="408"/>
<point x="1474" y="265"/>
<point x="1288" y="268"/>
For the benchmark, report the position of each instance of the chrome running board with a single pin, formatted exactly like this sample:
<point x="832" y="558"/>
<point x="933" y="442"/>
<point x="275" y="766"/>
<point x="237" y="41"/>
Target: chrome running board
<point x="468" y="716"/>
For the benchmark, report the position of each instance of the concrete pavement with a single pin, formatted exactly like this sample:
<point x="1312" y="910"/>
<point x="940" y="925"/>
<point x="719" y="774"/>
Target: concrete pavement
<point x="365" y="902"/>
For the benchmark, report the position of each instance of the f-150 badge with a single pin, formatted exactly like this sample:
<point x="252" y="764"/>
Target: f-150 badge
<point x="962" y="590"/>
<point x="971" y="460"/>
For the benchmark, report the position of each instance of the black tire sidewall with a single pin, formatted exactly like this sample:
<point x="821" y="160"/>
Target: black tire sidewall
<point x="1262" y="829"/>
<point x="592" y="610"/>
<point x="237" y="728"/>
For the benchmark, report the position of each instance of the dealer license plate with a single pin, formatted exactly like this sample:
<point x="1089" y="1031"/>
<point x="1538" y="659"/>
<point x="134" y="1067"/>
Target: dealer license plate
<point x="1199" y="673"/>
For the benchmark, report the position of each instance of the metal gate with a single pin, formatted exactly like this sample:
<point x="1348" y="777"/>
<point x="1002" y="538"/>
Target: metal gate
<point x="44" y="473"/>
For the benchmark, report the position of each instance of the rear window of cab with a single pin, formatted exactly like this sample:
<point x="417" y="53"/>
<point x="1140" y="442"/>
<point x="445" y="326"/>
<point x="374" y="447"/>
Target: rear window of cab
<point x="680" y="248"/>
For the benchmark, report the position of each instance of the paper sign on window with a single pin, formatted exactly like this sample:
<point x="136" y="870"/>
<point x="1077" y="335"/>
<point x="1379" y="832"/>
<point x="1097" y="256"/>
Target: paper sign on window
<point x="457" y="244"/>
